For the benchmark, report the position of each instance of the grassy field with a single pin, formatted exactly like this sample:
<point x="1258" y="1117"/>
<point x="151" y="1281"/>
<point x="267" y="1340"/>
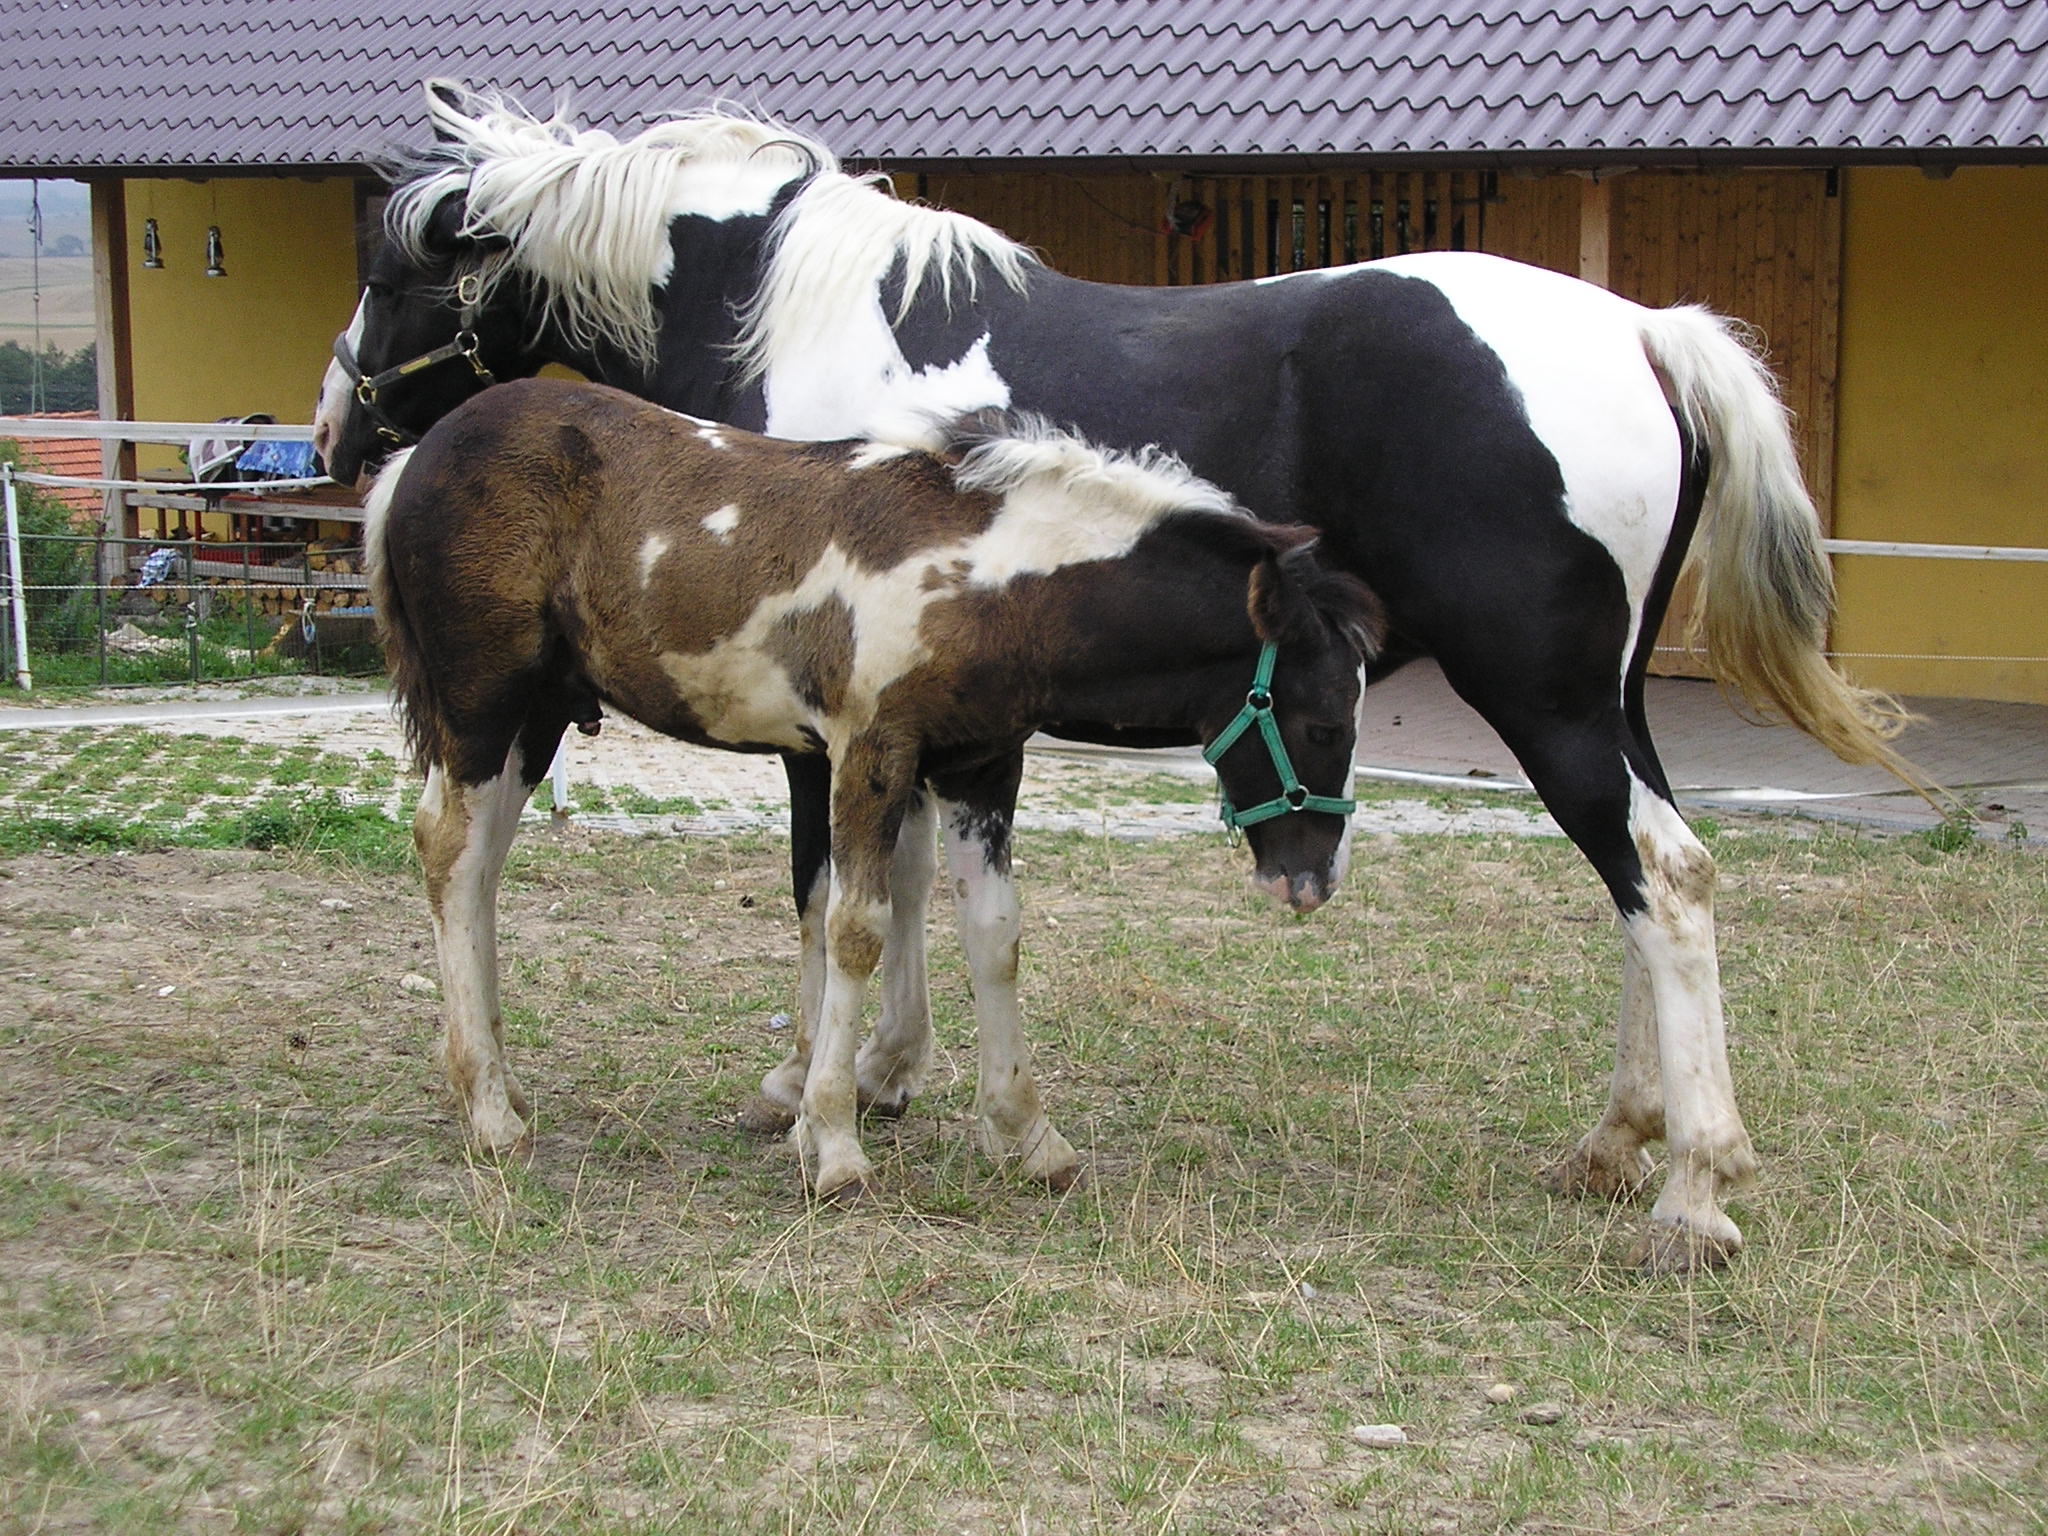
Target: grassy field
<point x="250" y="1281"/>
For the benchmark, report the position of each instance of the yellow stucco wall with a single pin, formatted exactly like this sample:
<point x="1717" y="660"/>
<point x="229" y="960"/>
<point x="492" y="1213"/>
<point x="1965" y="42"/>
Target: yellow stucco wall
<point x="1942" y="433"/>
<point x="257" y="339"/>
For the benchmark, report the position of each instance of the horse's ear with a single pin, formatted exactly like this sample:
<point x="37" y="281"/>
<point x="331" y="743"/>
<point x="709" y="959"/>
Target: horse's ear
<point x="448" y="236"/>
<point x="443" y="233"/>
<point x="447" y="103"/>
<point x="1292" y="596"/>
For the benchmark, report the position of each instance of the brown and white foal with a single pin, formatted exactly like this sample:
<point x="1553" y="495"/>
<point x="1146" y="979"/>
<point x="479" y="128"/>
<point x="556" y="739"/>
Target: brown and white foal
<point x="550" y="548"/>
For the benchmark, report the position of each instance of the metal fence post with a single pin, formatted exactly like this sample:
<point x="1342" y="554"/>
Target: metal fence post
<point x="17" y="592"/>
<point x="100" y="568"/>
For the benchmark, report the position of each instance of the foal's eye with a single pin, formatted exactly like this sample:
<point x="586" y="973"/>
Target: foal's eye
<point x="1323" y="735"/>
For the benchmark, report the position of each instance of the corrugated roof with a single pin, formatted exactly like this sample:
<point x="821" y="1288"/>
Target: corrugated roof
<point x="179" y="83"/>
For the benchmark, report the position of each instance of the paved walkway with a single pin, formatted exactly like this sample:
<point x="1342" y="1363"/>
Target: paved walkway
<point x="1994" y="756"/>
<point x="1414" y="729"/>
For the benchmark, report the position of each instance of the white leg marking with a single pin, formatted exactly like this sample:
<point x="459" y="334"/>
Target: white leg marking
<point x="463" y="837"/>
<point x="1710" y="1150"/>
<point x="827" y="1128"/>
<point x="1009" y="1116"/>
<point x="892" y="1065"/>
<point x="1611" y="1160"/>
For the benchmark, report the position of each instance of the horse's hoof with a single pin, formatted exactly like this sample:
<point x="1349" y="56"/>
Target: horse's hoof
<point x="1060" y="1180"/>
<point x="889" y="1106"/>
<point x="1602" y="1171"/>
<point x="763" y="1117"/>
<point x="846" y="1189"/>
<point x="500" y="1133"/>
<point x="1666" y="1250"/>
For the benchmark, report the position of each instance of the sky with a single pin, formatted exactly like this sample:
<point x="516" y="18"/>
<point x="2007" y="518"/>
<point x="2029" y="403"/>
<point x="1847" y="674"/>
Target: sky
<point x="67" y="210"/>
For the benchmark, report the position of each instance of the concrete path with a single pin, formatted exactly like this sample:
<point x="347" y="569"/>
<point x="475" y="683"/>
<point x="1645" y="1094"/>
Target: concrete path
<point x="1414" y="729"/>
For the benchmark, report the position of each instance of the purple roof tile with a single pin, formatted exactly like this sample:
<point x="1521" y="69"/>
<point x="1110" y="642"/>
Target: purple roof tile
<point x="180" y="83"/>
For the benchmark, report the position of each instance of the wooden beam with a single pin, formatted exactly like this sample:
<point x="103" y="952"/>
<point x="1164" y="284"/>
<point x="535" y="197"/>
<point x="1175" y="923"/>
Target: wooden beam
<point x="1596" y="215"/>
<point x="113" y="347"/>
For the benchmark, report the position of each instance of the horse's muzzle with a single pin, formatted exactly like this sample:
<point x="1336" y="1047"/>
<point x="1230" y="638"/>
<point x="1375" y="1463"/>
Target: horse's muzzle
<point x="1303" y="892"/>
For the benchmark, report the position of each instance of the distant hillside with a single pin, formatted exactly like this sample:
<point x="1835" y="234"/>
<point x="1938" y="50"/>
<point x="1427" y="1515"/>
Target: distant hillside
<point x="67" y="216"/>
<point x="65" y="280"/>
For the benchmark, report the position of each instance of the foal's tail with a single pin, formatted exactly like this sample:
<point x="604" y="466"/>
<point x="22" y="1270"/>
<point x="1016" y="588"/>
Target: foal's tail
<point x="410" y="680"/>
<point x="1766" y="591"/>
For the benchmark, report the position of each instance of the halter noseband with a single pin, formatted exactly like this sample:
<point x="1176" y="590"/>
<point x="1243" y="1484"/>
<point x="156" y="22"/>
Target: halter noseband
<point x="1258" y="707"/>
<point x="470" y="291"/>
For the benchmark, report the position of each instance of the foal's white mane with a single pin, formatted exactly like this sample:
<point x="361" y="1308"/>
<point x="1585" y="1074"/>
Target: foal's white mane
<point x="1137" y="488"/>
<point x="587" y="217"/>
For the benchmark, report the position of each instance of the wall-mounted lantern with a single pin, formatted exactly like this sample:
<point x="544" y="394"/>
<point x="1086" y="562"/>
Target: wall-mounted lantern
<point x="152" y="246"/>
<point x="216" y="259"/>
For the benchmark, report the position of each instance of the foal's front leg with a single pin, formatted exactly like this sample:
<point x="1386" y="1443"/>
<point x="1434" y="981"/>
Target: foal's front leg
<point x="463" y="833"/>
<point x="1010" y="1120"/>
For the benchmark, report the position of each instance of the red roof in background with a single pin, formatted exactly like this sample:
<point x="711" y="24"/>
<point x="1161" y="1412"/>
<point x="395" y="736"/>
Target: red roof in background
<point x="183" y="83"/>
<point x="75" y="456"/>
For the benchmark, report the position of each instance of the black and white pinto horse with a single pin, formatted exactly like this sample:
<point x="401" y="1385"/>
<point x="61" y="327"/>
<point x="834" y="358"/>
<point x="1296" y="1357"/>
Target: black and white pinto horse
<point x="1519" y="463"/>
<point x="552" y="547"/>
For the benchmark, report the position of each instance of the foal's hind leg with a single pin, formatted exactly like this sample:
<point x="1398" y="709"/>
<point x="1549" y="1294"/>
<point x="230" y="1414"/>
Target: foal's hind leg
<point x="1010" y="1119"/>
<point x="891" y="1067"/>
<point x="892" y="1064"/>
<point x="463" y="833"/>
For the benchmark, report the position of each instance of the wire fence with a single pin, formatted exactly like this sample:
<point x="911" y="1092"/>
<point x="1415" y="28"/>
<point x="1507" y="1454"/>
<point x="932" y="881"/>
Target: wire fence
<point x="105" y="610"/>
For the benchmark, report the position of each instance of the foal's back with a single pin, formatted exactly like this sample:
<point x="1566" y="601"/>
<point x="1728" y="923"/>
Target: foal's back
<point x="681" y="566"/>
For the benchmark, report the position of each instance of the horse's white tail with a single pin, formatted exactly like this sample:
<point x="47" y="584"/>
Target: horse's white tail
<point x="1766" y="591"/>
<point x="409" y="680"/>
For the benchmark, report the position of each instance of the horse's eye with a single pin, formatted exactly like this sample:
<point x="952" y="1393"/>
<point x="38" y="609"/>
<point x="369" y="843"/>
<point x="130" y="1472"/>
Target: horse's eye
<point x="377" y="290"/>
<point x="1323" y="735"/>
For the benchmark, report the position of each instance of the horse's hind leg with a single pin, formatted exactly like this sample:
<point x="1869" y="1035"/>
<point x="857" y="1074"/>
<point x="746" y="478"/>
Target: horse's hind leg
<point x="1612" y="1161"/>
<point x="463" y="832"/>
<point x="1710" y="1150"/>
<point x="1671" y="1074"/>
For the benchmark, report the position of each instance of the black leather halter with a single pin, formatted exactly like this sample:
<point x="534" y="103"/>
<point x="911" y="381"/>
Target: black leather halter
<point x="469" y="291"/>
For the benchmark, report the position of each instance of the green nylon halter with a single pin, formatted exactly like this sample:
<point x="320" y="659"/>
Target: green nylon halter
<point x="1258" y="706"/>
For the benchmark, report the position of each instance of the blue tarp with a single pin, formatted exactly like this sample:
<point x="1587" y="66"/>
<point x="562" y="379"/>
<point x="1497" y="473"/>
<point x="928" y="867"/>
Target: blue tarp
<point x="284" y="461"/>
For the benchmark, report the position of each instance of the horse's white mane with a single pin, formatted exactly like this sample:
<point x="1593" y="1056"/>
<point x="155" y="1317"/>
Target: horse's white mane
<point x="835" y="245"/>
<point x="1031" y="452"/>
<point x="587" y="217"/>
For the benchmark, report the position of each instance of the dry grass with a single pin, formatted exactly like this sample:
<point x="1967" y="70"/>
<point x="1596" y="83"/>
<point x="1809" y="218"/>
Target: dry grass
<point x="248" y="1279"/>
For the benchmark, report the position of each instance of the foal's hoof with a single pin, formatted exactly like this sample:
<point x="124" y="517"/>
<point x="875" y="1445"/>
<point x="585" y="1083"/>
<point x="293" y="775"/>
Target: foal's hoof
<point x="764" y="1117"/>
<point x="1672" y="1250"/>
<point x="1598" y="1168"/>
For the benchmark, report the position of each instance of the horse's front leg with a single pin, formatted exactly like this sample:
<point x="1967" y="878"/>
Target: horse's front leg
<point x="1010" y="1120"/>
<point x="873" y="783"/>
<point x="463" y="832"/>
